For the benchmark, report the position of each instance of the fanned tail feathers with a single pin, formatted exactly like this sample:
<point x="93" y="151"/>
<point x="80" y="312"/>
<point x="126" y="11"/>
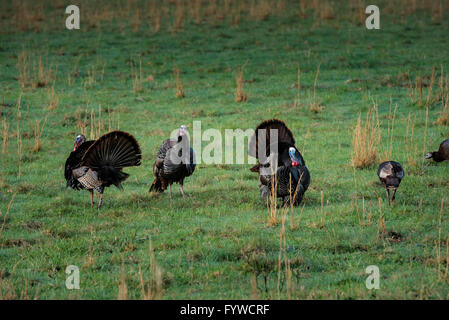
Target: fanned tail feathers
<point x="116" y="149"/>
<point x="110" y="153"/>
<point x="285" y="136"/>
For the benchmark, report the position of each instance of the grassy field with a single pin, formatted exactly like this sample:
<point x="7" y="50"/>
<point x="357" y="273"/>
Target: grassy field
<point x="149" y="67"/>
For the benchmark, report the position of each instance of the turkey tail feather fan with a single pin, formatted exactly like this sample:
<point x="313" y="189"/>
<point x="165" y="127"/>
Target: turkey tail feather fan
<point x="116" y="149"/>
<point x="285" y="136"/>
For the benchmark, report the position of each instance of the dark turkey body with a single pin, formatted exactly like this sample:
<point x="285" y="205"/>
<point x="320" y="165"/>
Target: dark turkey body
<point x="171" y="166"/>
<point x="289" y="183"/>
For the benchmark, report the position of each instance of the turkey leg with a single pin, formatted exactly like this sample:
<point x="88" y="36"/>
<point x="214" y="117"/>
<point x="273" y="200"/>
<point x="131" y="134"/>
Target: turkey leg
<point x="182" y="190"/>
<point x="394" y="195"/>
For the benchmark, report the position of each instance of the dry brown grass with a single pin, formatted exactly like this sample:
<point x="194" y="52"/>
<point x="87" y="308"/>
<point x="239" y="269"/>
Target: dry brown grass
<point x="19" y="137"/>
<point x="122" y="288"/>
<point x="23" y="65"/>
<point x="33" y="72"/>
<point x="178" y="83"/>
<point x="315" y="105"/>
<point x="154" y="288"/>
<point x="443" y="97"/>
<point x="38" y="130"/>
<point x="30" y="16"/>
<point x="138" y="78"/>
<point x="5" y="136"/>
<point x="179" y="15"/>
<point x="91" y="123"/>
<point x="415" y="91"/>
<point x="430" y="88"/>
<point x="388" y="151"/>
<point x="96" y="124"/>
<point x="297" y="102"/>
<point x="240" y="95"/>
<point x="53" y="98"/>
<point x="366" y="139"/>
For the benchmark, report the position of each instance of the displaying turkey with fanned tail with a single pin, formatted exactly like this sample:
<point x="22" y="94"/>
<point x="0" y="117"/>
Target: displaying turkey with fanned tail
<point x="175" y="161"/>
<point x="96" y="164"/>
<point x="281" y="167"/>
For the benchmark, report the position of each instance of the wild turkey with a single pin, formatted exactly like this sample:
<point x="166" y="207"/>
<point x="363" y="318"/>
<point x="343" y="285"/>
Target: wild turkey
<point x="442" y="153"/>
<point x="390" y="174"/>
<point x="281" y="167"/>
<point x="96" y="164"/>
<point x="175" y="161"/>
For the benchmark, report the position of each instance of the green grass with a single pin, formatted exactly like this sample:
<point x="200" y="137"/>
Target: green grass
<point x="210" y="245"/>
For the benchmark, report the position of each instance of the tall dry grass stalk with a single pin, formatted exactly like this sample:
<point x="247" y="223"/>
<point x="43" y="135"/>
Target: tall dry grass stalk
<point x="96" y="124"/>
<point x="179" y="15"/>
<point x="122" y="288"/>
<point x="443" y="96"/>
<point x="53" y="98"/>
<point x="272" y="201"/>
<point x="366" y="139"/>
<point x="415" y="91"/>
<point x="91" y="123"/>
<point x="33" y="72"/>
<point x="424" y="147"/>
<point x="381" y="225"/>
<point x="178" y="83"/>
<point x="38" y="130"/>
<point x="5" y="216"/>
<point x="5" y="136"/>
<point x="388" y="152"/>
<point x="19" y="138"/>
<point x="240" y="95"/>
<point x="113" y="120"/>
<point x="138" y="78"/>
<point x="297" y="102"/>
<point x="430" y="88"/>
<point x="315" y="105"/>
<point x="23" y="65"/>
<point x="154" y="289"/>
<point x="42" y="74"/>
<point x="438" y="245"/>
